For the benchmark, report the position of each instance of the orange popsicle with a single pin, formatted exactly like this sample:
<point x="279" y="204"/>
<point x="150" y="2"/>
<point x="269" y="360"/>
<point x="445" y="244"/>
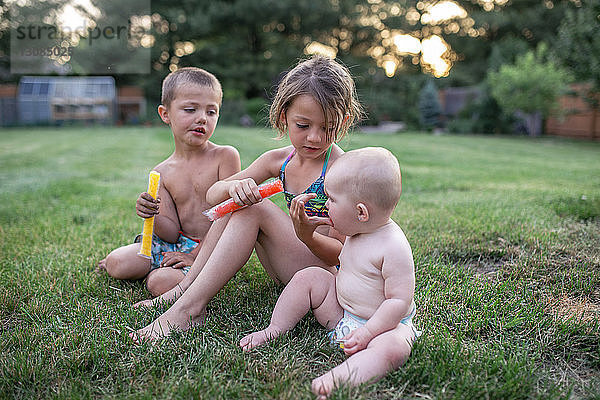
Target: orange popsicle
<point x="220" y="210"/>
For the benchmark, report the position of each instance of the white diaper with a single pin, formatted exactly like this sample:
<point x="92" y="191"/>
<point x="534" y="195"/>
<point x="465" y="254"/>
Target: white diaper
<point x="351" y="322"/>
<point x="347" y="324"/>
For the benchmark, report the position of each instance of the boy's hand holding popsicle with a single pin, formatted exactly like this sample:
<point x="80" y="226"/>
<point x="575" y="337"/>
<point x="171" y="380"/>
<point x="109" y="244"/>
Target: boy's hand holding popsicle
<point x="148" y="202"/>
<point x="147" y="206"/>
<point x="148" y="227"/>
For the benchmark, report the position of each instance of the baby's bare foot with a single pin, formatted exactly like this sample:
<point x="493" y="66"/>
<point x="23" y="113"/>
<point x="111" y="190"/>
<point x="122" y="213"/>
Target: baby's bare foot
<point x="101" y="266"/>
<point x="259" y="338"/>
<point x="323" y="386"/>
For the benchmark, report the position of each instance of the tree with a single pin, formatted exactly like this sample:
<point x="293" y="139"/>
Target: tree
<point x="532" y="85"/>
<point x="429" y="106"/>
<point x="578" y="44"/>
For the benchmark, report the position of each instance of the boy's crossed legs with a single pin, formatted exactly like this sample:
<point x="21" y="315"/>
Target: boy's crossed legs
<point x="313" y="288"/>
<point x="125" y="263"/>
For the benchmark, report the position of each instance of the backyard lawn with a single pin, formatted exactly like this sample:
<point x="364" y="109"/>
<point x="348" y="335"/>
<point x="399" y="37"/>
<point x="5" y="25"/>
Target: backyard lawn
<point x="505" y="233"/>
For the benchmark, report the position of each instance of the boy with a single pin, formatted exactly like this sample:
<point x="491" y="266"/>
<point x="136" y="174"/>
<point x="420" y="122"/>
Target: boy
<point x="190" y="102"/>
<point x="369" y="303"/>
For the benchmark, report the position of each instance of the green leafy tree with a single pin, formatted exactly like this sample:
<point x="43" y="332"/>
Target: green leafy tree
<point x="532" y="85"/>
<point x="578" y="45"/>
<point x="505" y="30"/>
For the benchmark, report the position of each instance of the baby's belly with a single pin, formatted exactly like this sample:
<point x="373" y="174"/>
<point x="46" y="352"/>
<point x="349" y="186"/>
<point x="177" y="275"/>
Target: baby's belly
<point x="357" y="296"/>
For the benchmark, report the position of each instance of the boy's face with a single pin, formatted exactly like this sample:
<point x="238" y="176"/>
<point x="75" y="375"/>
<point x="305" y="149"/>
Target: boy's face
<point x="342" y="208"/>
<point x="193" y="114"/>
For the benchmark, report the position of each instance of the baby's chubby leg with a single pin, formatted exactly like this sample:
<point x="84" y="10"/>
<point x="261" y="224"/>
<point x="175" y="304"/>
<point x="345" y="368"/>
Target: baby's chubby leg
<point x="312" y="288"/>
<point x="385" y="353"/>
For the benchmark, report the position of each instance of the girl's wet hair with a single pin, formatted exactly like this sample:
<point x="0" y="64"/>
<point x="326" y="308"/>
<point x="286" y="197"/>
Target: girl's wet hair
<point x="185" y="76"/>
<point x="330" y="84"/>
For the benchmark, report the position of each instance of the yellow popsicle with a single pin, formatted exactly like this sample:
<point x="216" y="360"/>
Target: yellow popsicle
<point x="148" y="228"/>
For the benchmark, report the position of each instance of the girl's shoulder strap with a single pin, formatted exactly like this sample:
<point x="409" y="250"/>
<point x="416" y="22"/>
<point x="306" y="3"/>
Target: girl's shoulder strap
<point x="326" y="160"/>
<point x="287" y="160"/>
<point x="282" y="170"/>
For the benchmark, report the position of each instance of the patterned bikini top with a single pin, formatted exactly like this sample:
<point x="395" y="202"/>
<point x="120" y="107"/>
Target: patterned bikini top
<point x="313" y="207"/>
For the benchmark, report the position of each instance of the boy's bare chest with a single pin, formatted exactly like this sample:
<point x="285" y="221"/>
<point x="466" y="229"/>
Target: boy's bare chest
<point x="192" y="185"/>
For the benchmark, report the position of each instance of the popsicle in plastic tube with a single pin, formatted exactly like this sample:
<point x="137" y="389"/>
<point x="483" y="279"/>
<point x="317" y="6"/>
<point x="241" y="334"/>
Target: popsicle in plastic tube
<point x="267" y="189"/>
<point x="148" y="228"/>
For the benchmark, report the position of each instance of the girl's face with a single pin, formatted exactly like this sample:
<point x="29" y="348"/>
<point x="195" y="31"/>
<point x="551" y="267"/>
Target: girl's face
<point x="306" y="126"/>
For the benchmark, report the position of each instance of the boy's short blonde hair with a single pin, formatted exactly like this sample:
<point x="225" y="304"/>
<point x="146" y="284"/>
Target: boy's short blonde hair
<point x="330" y="84"/>
<point x="371" y="175"/>
<point x="186" y="76"/>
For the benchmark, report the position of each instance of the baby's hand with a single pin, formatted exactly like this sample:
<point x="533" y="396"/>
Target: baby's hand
<point x="176" y="259"/>
<point x="357" y="340"/>
<point x="146" y="206"/>
<point x="303" y="224"/>
<point x="245" y="192"/>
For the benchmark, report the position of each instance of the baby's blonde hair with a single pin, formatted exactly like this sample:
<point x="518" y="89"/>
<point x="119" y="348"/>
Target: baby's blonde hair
<point x="371" y="175"/>
<point x="185" y="76"/>
<point x="330" y="84"/>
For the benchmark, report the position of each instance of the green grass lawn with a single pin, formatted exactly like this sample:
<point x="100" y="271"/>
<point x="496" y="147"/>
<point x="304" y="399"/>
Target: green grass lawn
<point x="505" y="232"/>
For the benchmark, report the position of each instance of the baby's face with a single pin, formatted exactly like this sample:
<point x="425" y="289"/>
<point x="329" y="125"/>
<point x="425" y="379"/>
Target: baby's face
<point x="342" y="208"/>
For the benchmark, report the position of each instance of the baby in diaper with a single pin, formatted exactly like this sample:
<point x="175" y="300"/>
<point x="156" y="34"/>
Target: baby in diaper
<point x="368" y="305"/>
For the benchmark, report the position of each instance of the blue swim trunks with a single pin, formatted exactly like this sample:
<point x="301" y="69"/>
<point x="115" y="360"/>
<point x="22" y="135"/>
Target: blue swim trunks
<point x="183" y="245"/>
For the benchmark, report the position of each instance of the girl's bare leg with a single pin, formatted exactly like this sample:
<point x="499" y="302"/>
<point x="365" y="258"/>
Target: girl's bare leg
<point x="208" y="244"/>
<point x="264" y="222"/>
<point x="312" y="288"/>
<point x="125" y="263"/>
<point x="385" y="353"/>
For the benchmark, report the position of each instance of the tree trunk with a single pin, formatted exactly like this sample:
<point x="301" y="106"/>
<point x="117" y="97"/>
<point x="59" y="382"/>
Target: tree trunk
<point x="533" y="122"/>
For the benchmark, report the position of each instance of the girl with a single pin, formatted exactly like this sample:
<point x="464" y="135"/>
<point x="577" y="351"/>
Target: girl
<point x="315" y="104"/>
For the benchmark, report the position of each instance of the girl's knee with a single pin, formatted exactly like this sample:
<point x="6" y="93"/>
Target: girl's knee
<point x="265" y="212"/>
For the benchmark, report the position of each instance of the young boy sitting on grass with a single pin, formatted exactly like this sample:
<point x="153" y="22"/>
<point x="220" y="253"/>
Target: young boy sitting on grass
<point x="368" y="304"/>
<point x="191" y="98"/>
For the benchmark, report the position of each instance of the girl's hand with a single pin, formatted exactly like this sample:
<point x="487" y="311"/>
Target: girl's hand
<point x="357" y="340"/>
<point x="175" y="259"/>
<point x="147" y="206"/>
<point x="245" y="192"/>
<point x="303" y="224"/>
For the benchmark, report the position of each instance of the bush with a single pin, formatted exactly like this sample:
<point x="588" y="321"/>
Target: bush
<point x="258" y="110"/>
<point x="531" y="85"/>
<point x="390" y="99"/>
<point x="482" y="115"/>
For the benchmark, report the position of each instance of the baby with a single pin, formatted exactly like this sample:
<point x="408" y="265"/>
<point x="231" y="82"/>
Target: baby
<point x="368" y="305"/>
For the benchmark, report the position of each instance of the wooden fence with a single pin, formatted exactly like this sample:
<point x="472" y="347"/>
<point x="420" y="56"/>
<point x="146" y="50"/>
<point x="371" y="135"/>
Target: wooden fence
<point x="580" y="119"/>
